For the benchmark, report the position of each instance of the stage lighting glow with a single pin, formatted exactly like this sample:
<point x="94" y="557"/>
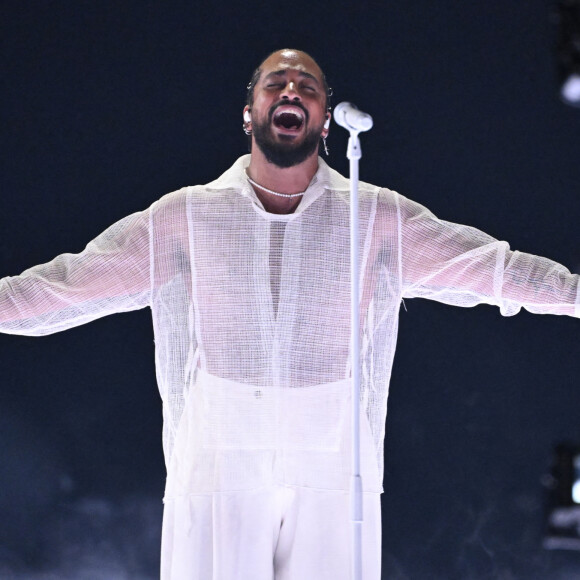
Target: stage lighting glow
<point x="570" y="91"/>
<point x="576" y="492"/>
<point x="568" y="48"/>
<point x="562" y="531"/>
<point x="576" y="483"/>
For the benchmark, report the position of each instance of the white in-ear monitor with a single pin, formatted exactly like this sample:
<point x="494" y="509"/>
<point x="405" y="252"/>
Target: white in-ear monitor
<point x="327" y="123"/>
<point x="247" y="116"/>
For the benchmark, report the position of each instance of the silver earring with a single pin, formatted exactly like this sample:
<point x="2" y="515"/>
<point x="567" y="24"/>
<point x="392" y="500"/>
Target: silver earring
<point x="246" y="130"/>
<point x="326" y="152"/>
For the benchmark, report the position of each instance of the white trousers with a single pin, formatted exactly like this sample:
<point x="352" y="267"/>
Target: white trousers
<point x="280" y="532"/>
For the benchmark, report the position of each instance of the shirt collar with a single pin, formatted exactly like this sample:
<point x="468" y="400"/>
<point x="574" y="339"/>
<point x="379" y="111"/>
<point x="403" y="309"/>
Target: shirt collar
<point x="324" y="178"/>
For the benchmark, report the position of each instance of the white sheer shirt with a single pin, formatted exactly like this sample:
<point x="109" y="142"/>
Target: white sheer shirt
<point x="263" y="300"/>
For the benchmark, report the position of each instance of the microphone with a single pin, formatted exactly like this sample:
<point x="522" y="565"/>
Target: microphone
<point x="348" y="116"/>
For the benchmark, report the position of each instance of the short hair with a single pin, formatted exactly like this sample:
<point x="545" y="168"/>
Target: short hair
<point x="256" y="77"/>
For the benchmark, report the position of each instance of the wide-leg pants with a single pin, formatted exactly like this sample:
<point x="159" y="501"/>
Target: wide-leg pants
<point x="280" y="532"/>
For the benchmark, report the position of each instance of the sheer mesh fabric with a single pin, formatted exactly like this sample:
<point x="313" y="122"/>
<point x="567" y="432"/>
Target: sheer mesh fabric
<point x="251" y="313"/>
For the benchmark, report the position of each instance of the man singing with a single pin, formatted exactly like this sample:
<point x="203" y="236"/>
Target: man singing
<point x="248" y="281"/>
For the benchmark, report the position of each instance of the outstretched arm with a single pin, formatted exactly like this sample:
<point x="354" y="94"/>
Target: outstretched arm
<point x="463" y="266"/>
<point x="111" y="275"/>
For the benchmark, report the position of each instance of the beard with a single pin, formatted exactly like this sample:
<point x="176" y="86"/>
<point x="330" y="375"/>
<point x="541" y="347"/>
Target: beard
<point x="284" y="153"/>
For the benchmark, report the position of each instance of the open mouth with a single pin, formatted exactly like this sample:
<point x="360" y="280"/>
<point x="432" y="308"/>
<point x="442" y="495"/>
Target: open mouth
<point x="290" y="118"/>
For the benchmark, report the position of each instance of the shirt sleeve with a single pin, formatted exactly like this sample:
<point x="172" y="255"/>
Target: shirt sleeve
<point x="463" y="266"/>
<point x="111" y="275"/>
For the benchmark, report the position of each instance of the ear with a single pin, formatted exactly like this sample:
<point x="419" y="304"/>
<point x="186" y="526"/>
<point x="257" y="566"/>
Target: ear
<point x="247" y="116"/>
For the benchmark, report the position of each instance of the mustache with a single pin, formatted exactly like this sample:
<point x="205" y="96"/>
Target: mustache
<point x="284" y="102"/>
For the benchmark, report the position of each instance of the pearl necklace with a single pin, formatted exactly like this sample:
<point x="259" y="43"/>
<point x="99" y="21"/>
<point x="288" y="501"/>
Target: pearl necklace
<point x="287" y="195"/>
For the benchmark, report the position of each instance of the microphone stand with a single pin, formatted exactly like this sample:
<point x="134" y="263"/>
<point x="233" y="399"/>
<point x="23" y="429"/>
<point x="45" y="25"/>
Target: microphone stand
<point x="342" y="114"/>
<point x="356" y="493"/>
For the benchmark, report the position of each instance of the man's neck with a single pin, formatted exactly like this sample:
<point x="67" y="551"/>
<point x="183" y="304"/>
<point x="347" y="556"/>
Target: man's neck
<point x="282" y="180"/>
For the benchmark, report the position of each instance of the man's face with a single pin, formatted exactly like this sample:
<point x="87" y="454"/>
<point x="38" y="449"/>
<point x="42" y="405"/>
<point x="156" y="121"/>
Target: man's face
<point x="288" y="112"/>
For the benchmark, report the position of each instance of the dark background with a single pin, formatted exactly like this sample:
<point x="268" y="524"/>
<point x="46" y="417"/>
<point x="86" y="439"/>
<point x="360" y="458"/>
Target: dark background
<point x="107" y="106"/>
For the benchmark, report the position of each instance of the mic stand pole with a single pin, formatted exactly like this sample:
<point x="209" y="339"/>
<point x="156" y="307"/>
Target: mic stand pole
<point x="354" y="121"/>
<point x="356" y="493"/>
